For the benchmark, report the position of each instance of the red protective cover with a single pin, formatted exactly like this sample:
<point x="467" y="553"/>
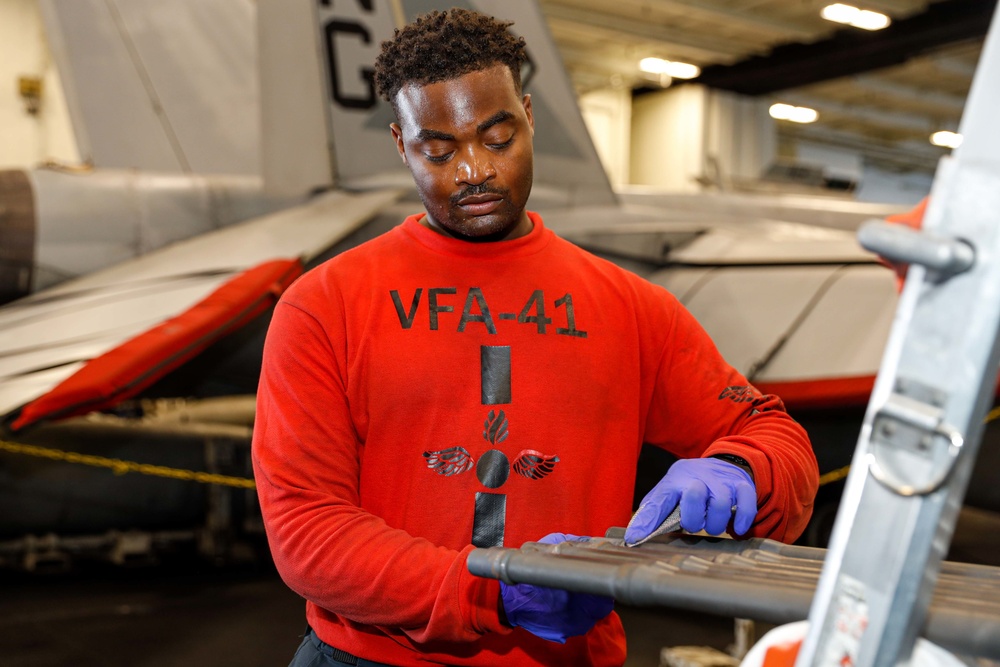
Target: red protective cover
<point x="126" y="370"/>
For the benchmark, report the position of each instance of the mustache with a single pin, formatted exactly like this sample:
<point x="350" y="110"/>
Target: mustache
<point x="481" y="189"/>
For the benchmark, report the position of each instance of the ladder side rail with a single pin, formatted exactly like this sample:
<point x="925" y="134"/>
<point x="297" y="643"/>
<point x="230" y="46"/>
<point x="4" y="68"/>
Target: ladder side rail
<point x="923" y="425"/>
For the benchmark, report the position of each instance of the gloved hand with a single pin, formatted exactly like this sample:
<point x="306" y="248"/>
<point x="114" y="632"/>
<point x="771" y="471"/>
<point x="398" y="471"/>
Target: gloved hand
<point x="551" y="613"/>
<point x="708" y="490"/>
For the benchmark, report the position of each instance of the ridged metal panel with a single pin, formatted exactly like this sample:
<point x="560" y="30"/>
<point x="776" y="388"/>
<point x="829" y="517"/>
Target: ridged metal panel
<point x="757" y="578"/>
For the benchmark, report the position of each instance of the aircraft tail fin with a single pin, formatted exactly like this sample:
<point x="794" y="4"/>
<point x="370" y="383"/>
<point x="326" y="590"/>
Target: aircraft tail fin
<point x="322" y="87"/>
<point x="160" y="86"/>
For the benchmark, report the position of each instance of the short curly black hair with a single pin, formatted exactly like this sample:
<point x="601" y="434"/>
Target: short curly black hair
<point x="446" y="45"/>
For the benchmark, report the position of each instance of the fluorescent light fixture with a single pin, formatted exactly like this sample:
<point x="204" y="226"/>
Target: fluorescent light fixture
<point x="946" y="139"/>
<point x="793" y="114"/>
<point x="851" y="15"/>
<point x="868" y="20"/>
<point x="671" y="68"/>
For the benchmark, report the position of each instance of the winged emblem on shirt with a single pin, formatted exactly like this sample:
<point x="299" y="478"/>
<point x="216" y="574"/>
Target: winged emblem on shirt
<point x="534" y="465"/>
<point x="451" y="461"/>
<point x="740" y="394"/>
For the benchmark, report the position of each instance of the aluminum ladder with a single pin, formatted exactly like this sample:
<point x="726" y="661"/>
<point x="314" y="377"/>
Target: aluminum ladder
<point x="924" y="421"/>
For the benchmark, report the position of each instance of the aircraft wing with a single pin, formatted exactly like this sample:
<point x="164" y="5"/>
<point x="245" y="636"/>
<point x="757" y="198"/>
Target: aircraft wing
<point x="90" y="343"/>
<point x="802" y="311"/>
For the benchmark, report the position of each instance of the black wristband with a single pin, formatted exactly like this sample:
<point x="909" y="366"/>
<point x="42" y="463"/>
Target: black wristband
<point x="735" y="460"/>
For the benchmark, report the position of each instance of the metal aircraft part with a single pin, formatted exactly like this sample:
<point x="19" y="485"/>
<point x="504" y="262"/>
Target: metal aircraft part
<point x="757" y="578"/>
<point x="335" y="98"/>
<point x="17" y="234"/>
<point x="815" y="210"/>
<point x="151" y="90"/>
<point x="160" y="87"/>
<point x="130" y="368"/>
<point x="771" y="294"/>
<point x="46" y="338"/>
<point x="92" y="220"/>
<point x="64" y="508"/>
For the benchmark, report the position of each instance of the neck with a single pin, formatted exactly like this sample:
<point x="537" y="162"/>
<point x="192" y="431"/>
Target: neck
<point x="523" y="227"/>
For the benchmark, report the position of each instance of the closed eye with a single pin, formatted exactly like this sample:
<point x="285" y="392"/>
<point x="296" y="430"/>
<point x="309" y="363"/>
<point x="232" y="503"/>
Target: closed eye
<point x="437" y="158"/>
<point x="503" y="145"/>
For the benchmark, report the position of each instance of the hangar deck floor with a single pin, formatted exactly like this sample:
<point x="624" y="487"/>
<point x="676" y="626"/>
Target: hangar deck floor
<point x="192" y="615"/>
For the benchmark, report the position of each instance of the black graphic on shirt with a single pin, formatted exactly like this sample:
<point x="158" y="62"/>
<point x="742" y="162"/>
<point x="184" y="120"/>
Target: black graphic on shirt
<point x="494" y="375"/>
<point x="534" y="465"/>
<point x="494" y="467"/>
<point x="488" y="526"/>
<point x="750" y="394"/>
<point x="456" y="460"/>
<point x="495" y="427"/>
<point x="740" y="394"/>
<point x="451" y="461"/>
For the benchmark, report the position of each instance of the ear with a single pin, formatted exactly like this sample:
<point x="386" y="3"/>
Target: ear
<point x="526" y="103"/>
<point x="397" y="136"/>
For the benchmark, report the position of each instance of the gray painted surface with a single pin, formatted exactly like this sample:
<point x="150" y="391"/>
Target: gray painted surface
<point x="160" y="86"/>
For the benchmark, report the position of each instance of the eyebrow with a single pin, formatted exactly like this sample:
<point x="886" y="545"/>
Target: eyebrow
<point x="430" y="135"/>
<point x="436" y="135"/>
<point x="497" y="118"/>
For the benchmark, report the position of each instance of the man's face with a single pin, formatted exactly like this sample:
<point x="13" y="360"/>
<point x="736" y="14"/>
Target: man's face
<point x="468" y="144"/>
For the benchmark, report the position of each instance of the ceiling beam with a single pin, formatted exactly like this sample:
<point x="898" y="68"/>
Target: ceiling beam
<point x="895" y="8"/>
<point x="890" y="120"/>
<point x="704" y="10"/>
<point x="953" y="66"/>
<point x="945" y="103"/>
<point x="616" y="23"/>
<point x="605" y="62"/>
<point x="913" y="156"/>
<point x="745" y="19"/>
<point x="850" y="51"/>
<point x="575" y="35"/>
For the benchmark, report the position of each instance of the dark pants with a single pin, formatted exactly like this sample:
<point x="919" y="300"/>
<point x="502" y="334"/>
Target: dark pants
<point x="314" y="652"/>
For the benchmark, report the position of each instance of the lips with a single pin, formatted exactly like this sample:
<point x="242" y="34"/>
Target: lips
<point x="483" y="204"/>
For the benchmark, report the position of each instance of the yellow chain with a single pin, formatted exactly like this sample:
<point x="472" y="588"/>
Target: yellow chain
<point x="120" y="467"/>
<point x="834" y="475"/>
<point x="993" y="414"/>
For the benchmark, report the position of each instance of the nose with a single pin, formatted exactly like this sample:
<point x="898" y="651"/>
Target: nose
<point x="475" y="167"/>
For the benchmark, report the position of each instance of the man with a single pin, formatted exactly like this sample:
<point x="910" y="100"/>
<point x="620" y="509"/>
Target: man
<point x="470" y="379"/>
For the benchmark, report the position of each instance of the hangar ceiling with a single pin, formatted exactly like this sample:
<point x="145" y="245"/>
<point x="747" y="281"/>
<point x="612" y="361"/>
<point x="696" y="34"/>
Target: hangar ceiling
<point x="882" y="93"/>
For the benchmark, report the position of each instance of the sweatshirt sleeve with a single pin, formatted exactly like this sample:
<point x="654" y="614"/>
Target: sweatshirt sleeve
<point x="307" y="458"/>
<point x="702" y="407"/>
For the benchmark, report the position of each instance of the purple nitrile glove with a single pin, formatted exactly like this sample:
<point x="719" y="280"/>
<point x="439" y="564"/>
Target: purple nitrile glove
<point x="551" y="613"/>
<point x="708" y="490"/>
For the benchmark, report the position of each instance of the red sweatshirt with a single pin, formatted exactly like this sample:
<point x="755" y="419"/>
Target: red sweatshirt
<point x="422" y="394"/>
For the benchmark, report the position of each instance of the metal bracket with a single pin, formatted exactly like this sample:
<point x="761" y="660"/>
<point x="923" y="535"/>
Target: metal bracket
<point x="908" y="434"/>
<point x="945" y="256"/>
